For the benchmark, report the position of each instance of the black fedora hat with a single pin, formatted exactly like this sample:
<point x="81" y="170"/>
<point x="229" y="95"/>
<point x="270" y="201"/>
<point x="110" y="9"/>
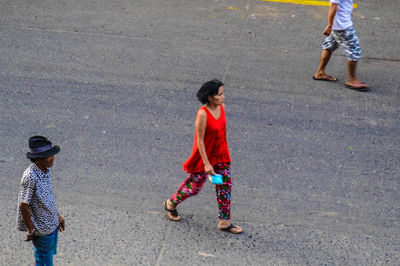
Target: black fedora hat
<point x="41" y="147"/>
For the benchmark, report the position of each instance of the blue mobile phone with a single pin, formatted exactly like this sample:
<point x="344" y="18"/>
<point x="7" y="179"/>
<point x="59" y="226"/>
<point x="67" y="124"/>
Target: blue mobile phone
<point x="216" y="179"/>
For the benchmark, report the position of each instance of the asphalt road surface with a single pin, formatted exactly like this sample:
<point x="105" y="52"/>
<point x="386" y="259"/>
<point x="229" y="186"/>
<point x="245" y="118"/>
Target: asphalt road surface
<point x="315" y="165"/>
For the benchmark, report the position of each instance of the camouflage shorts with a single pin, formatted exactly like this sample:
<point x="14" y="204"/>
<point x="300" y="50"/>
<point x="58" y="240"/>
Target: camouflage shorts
<point x="347" y="39"/>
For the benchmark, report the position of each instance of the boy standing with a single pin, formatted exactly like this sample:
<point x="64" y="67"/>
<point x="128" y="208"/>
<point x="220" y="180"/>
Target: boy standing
<point x="340" y="32"/>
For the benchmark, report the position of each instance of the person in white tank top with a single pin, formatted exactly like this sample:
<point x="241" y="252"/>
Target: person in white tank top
<point x="340" y="32"/>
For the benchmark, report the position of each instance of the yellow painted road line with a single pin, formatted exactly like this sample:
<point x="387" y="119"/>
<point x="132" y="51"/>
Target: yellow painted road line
<point x="304" y="2"/>
<point x="233" y="8"/>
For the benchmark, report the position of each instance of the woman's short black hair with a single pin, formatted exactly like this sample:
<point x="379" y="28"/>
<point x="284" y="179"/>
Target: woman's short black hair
<point x="210" y="88"/>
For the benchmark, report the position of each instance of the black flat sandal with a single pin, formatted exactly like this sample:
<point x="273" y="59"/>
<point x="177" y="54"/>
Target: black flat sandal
<point x="171" y="214"/>
<point x="229" y="229"/>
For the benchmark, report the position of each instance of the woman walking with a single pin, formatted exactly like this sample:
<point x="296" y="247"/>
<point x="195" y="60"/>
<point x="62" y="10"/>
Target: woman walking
<point x="210" y="155"/>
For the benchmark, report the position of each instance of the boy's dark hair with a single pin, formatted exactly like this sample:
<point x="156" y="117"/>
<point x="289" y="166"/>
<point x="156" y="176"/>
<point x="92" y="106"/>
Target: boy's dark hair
<point x="210" y="88"/>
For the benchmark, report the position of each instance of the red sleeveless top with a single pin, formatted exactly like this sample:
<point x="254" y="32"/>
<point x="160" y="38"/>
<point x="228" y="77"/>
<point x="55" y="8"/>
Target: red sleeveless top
<point x="215" y="144"/>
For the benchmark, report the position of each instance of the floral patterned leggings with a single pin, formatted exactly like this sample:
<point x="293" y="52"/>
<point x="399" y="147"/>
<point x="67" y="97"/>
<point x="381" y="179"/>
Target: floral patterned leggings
<point x="194" y="182"/>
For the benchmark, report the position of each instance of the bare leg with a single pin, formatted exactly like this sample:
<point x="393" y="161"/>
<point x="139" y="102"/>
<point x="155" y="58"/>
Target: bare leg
<point x="352" y="79"/>
<point x="320" y="74"/>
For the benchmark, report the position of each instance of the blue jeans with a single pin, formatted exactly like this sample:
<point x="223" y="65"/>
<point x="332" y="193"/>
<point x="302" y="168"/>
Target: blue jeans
<point x="45" y="247"/>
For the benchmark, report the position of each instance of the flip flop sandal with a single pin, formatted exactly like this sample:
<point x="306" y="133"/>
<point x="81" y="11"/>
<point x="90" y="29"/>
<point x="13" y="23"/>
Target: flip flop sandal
<point x="362" y="88"/>
<point x="173" y="213"/>
<point x="328" y="78"/>
<point x="229" y="229"/>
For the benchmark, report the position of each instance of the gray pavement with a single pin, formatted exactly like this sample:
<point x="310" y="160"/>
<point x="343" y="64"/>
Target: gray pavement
<point x="315" y="165"/>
